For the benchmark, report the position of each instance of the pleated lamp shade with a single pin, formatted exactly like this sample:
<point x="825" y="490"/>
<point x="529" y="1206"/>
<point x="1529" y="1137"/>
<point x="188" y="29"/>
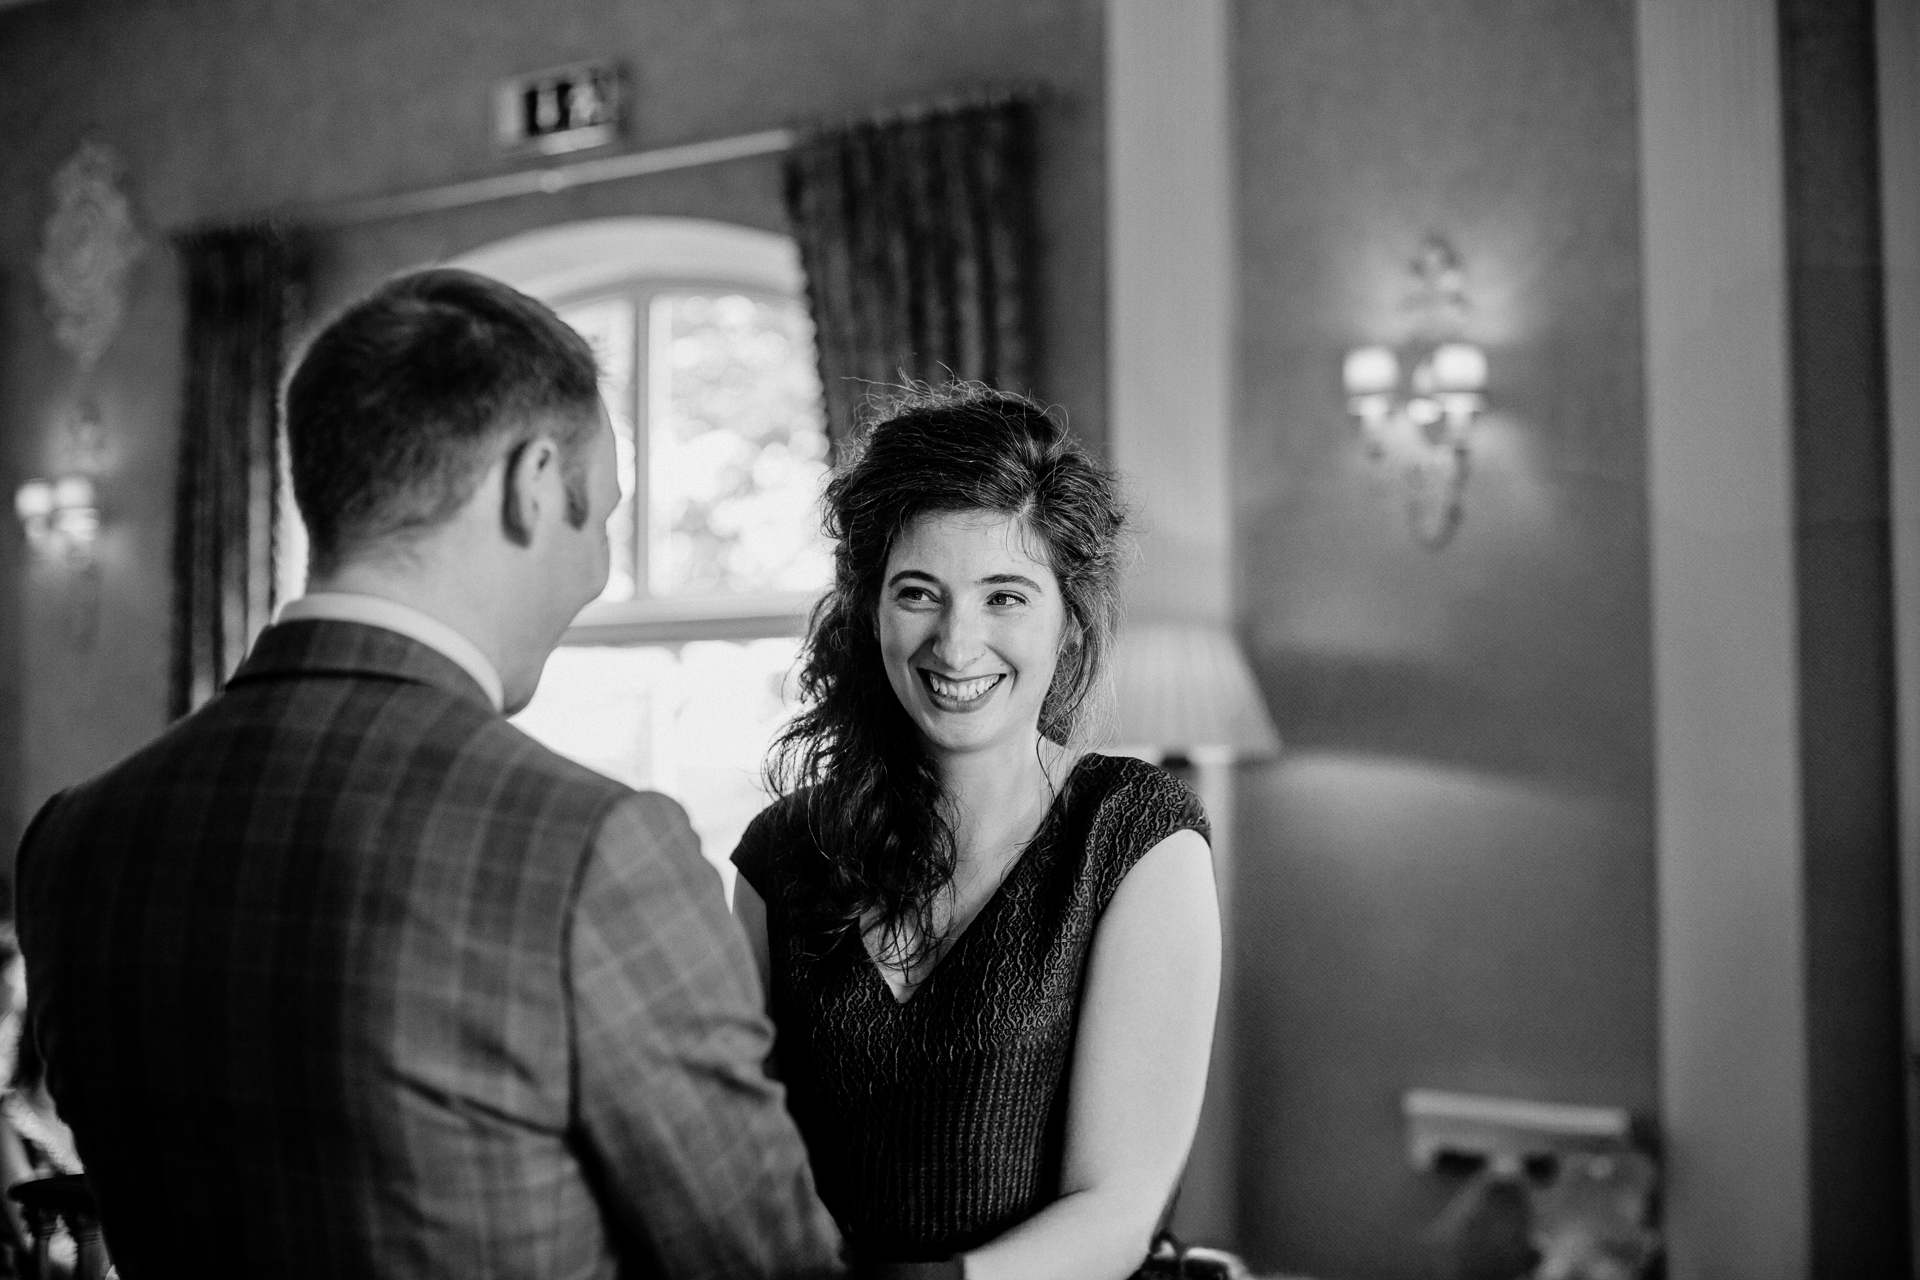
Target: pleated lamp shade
<point x="1184" y="689"/>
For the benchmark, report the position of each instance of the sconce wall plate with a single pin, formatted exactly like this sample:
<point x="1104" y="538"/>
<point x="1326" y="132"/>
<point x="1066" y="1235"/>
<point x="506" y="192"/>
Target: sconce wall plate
<point x="89" y="247"/>
<point x="1422" y="424"/>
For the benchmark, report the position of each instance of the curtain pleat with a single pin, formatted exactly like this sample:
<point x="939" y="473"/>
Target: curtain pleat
<point x="241" y="284"/>
<point x="918" y="240"/>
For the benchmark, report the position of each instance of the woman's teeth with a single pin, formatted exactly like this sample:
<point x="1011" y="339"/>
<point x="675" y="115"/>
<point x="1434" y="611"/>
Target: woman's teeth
<point x="960" y="690"/>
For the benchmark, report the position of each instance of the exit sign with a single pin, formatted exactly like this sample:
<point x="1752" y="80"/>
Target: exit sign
<point x="565" y="109"/>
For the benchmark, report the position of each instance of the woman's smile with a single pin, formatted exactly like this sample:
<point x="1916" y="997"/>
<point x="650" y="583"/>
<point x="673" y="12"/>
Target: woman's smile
<point x="960" y="695"/>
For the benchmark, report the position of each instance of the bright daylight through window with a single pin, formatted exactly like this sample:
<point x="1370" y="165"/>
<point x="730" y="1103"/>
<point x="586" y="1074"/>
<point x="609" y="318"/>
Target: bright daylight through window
<point x="680" y="676"/>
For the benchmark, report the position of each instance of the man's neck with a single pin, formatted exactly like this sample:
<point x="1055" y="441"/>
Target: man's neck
<point x="429" y="593"/>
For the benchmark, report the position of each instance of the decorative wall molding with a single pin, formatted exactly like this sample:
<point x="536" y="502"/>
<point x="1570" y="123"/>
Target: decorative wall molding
<point x="89" y="247"/>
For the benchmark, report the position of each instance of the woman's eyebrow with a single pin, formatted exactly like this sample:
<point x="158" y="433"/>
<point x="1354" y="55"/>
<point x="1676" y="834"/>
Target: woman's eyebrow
<point x="919" y="574"/>
<point x="1003" y="579"/>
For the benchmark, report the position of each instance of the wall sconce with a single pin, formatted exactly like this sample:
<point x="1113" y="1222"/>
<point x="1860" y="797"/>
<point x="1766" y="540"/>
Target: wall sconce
<point x="61" y="517"/>
<point x="1423" y="426"/>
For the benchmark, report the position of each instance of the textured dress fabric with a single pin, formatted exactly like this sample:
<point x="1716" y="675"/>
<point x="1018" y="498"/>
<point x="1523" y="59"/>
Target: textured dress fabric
<point x="938" y="1124"/>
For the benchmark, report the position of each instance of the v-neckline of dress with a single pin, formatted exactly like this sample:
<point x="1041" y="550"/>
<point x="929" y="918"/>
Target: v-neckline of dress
<point x="875" y="974"/>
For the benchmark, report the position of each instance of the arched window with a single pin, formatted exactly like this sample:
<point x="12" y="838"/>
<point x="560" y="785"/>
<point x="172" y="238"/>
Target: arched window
<point x="676" y="679"/>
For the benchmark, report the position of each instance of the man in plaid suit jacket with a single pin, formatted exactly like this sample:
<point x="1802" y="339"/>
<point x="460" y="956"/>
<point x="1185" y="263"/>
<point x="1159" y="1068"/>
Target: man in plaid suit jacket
<point x="344" y="975"/>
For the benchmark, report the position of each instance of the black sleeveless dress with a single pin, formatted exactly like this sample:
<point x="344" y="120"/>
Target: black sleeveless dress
<point x="938" y="1124"/>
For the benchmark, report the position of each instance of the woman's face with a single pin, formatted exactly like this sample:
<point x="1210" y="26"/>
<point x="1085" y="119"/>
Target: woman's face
<point x="970" y="624"/>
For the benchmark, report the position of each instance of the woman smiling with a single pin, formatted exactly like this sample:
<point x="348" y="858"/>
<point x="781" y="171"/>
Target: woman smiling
<point x="991" y="956"/>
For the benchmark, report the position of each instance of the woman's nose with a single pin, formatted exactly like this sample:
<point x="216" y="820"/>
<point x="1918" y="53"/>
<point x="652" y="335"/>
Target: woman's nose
<point x="959" y="639"/>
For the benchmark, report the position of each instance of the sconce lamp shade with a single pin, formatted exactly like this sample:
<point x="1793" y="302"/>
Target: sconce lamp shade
<point x="72" y="492"/>
<point x="1370" y="371"/>
<point x="1459" y="366"/>
<point x="34" y="500"/>
<point x="1186" y="689"/>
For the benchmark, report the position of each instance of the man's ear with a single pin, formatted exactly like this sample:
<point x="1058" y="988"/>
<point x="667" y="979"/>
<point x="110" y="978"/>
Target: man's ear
<point x="530" y="466"/>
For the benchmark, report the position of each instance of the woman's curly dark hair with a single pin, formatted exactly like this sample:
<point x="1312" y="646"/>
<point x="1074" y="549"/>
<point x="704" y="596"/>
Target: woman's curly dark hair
<point x="853" y="758"/>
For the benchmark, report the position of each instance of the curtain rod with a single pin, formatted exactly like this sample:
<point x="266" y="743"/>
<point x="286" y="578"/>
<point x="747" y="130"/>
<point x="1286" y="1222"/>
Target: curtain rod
<point x="548" y="181"/>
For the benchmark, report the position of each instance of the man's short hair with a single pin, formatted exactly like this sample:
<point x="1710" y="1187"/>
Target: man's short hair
<point x="402" y="403"/>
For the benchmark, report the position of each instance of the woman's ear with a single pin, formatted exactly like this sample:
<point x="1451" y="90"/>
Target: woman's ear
<point x="529" y="466"/>
<point x="1072" y="636"/>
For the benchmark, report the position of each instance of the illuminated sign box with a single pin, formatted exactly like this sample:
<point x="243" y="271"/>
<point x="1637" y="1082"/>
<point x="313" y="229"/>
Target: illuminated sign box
<point x="564" y="109"/>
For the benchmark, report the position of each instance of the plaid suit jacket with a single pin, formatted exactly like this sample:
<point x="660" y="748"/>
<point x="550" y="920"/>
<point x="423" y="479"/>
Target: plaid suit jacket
<point x="345" y="976"/>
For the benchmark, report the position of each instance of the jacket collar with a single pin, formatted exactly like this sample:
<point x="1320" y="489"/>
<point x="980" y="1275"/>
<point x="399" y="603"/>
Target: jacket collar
<point x="326" y="647"/>
<point x="384" y="611"/>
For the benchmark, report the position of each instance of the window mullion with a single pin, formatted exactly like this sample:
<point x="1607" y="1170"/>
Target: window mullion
<point x="641" y="407"/>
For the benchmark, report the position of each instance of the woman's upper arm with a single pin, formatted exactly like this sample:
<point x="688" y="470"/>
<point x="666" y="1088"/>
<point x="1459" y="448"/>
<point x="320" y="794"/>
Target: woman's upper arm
<point x="1146" y="1028"/>
<point x="750" y="910"/>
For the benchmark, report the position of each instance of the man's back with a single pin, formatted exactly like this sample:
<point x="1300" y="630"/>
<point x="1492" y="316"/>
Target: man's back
<point x="318" y="996"/>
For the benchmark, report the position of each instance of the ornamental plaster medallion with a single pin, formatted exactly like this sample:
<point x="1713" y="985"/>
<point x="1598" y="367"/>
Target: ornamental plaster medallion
<point x="90" y="247"/>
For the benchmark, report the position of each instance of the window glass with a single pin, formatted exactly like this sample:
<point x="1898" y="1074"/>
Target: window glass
<point x="608" y="326"/>
<point x="737" y="447"/>
<point x="694" y="721"/>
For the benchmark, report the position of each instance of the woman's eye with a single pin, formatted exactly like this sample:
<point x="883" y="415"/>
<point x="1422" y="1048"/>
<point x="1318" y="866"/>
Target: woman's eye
<point x="1006" y="599"/>
<point x="914" y="595"/>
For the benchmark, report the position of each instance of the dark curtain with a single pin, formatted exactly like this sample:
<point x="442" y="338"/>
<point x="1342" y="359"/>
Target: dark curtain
<point x="241" y="284"/>
<point x="917" y="235"/>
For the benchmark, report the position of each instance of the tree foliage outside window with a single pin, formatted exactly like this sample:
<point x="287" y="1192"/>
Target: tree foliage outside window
<point x="737" y="447"/>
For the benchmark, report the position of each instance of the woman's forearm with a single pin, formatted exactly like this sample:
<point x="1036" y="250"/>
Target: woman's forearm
<point x="1086" y="1235"/>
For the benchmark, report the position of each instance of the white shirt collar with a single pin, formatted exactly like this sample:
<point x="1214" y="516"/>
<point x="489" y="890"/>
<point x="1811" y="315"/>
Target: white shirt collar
<point x="391" y="615"/>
